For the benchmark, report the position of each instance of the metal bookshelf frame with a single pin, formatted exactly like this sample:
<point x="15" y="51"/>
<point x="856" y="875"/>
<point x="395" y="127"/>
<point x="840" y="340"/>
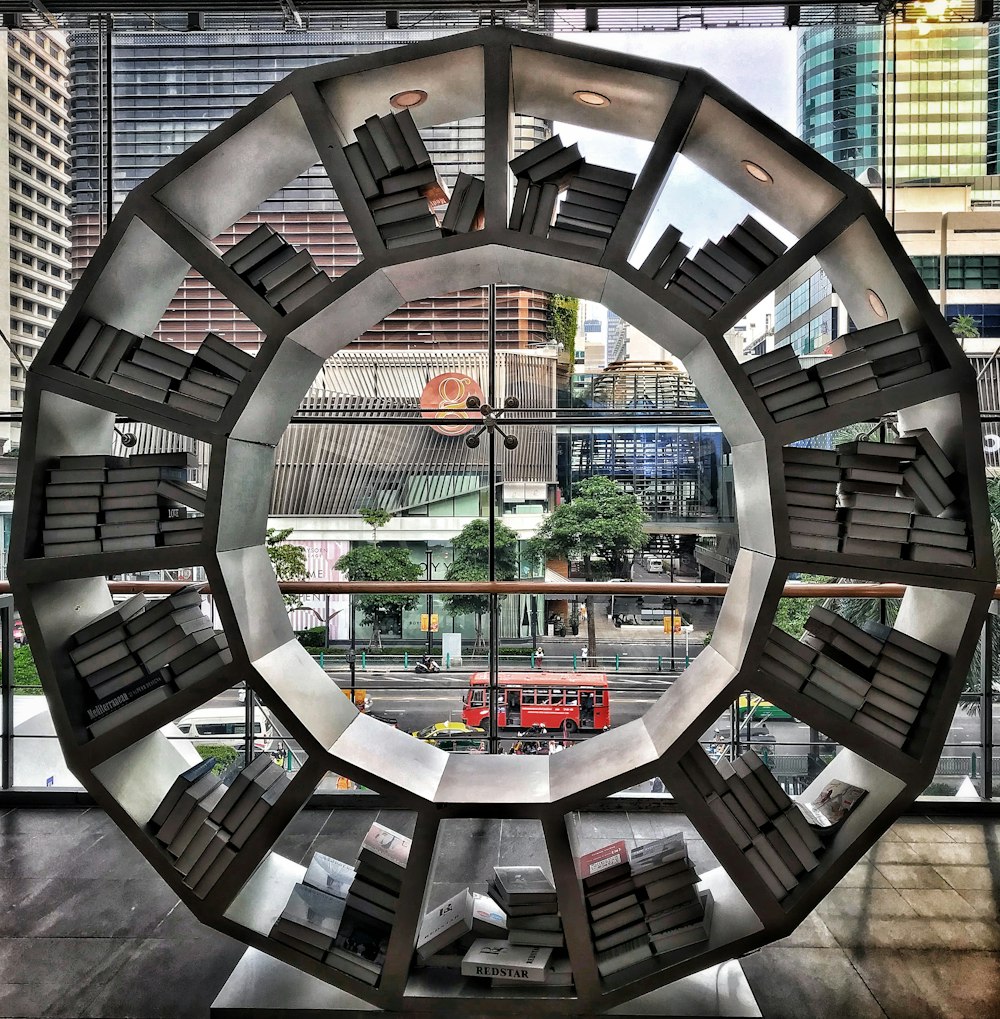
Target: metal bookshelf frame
<point x="166" y="227"/>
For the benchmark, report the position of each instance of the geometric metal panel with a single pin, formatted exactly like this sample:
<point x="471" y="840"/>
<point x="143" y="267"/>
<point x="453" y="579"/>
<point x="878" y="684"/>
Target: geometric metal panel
<point x="130" y="284"/>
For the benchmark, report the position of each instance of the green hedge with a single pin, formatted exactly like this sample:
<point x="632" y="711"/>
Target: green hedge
<point x="224" y="754"/>
<point x="26" y="679"/>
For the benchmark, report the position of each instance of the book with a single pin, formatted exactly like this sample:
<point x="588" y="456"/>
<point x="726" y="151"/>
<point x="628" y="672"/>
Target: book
<point x="312" y="915"/>
<point x="329" y="875"/>
<point x="521" y="886"/>
<point x="190" y="794"/>
<point x="831" y="807"/>
<point x="491" y="958"/>
<point x="603" y="865"/>
<point x="259" y="810"/>
<point x="519" y="165"/>
<point x="237" y="785"/>
<point x="652" y="855"/>
<point x="446" y="924"/>
<point x="622" y="956"/>
<point x="251" y="795"/>
<point x="185" y="780"/>
<point x="689" y="934"/>
<point x="78" y="349"/>
<point x="361" y="941"/>
<point x="384" y="850"/>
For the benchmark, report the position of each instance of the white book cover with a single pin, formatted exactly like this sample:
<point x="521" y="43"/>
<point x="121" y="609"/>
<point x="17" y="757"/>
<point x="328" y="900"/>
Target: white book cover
<point x="524" y="963"/>
<point x="385" y="849"/>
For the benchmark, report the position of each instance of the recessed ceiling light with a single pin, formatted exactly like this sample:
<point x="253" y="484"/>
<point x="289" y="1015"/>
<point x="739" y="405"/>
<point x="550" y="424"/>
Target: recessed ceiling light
<point x="757" y="171"/>
<point x="408" y="99"/>
<point x="875" y="303"/>
<point x="591" y="98"/>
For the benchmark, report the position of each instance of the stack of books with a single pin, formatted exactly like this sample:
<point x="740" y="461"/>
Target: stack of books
<point x="644" y="904"/>
<point x="787" y="389"/>
<point x="711" y="277"/>
<point x="845" y="377"/>
<point x="895" y="356"/>
<point x="902" y="674"/>
<point x="200" y="383"/>
<point x="528" y="900"/>
<point x="542" y="173"/>
<point x="362" y="941"/>
<point x="202" y="822"/>
<point x="448" y="932"/>
<point x="398" y="181"/>
<point x="935" y="486"/>
<point x="811" y="477"/>
<point x="759" y="817"/>
<point x="665" y="257"/>
<point x="594" y="201"/>
<point x="873" y="676"/>
<point x="284" y="275"/>
<point x="465" y="208"/>
<point x="311" y="918"/>
<point x="136" y="654"/>
<point x="107" y="504"/>
<point x="875" y="519"/>
<point x="505" y="964"/>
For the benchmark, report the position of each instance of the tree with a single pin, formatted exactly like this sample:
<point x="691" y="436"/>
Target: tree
<point x="471" y="562"/>
<point x="562" y="321"/>
<point x="965" y="327"/>
<point x="601" y="528"/>
<point x="288" y="560"/>
<point x="375" y="517"/>
<point x="377" y="562"/>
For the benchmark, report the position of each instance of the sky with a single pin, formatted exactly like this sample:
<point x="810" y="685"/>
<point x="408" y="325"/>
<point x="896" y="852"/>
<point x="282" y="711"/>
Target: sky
<point x="696" y="204"/>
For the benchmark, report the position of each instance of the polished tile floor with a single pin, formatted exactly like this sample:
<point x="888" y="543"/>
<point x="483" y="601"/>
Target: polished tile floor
<point x="88" y="930"/>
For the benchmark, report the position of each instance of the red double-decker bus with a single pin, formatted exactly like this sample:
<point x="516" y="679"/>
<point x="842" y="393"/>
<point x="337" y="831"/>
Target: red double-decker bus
<point x="576" y="700"/>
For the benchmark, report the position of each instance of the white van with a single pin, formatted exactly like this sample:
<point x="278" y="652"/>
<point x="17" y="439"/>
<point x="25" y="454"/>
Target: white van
<point x="654" y="565"/>
<point x="227" y="725"/>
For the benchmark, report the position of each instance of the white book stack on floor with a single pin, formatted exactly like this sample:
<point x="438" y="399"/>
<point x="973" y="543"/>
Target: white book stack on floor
<point x="758" y="816"/>
<point x="528" y="900"/>
<point x="592" y="205"/>
<point x="811" y="477"/>
<point x="787" y="389"/>
<point x="400" y="185"/>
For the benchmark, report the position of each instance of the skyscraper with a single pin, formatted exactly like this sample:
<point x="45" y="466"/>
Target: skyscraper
<point x="169" y="89"/>
<point x="920" y="108"/>
<point x="34" y="221"/>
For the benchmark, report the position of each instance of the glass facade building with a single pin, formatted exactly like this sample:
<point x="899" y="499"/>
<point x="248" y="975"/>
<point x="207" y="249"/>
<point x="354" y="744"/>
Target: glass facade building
<point x="927" y="112"/>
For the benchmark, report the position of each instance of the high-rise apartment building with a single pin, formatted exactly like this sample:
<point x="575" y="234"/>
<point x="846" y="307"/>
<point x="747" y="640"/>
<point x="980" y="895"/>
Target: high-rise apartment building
<point x="170" y="89"/>
<point x="34" y="221"/>
<point x="926" y="113"/>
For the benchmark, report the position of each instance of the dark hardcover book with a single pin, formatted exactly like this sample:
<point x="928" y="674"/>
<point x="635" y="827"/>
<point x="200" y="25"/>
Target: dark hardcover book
<point x="716" y="287"/>
<point x="739" y="254"/>
<point x="746" y="240"/>
<point x="110" y="619"/>
<point x="519" y="165"/>
<point x="203" y="394"/>
<point x="58" y="507"/>
<point x="390" y="157"/>
<point x="289" y="286"/>
<point x="763" y="236"/>
<point x="183" y="493"/>
<point x="896" y="378"/>
<point x="281" y="257"/>
<point x="424" y="237"/>
<point x="606" y="175"/>
<point x="224" y="357"/>
<point x="471" y="212"/>
<point x="588" y="214"/>
<point x="518" y="203"/>
<point x="259" y="811"/>
<point x="450" y="221"/>
<point x="599" y="189"/>
<point x="408" y="128"/>
<point x="661" y="250"/>
<point x="542" y="219"/>
<point x="120" y="346"/>
<point x="716" y="271"/>
<point x="247" y="244"/>
<point x="371" y="152"/>
<point x="79" y="348"/>
<point x="594" y="203"/>
<point x="401" y="212"/>
<point x="557" y="168"/>
<point x="425" y="180"/>
<point x="782" y="355"/>
<point x="151" y="362"/>
<point x="850" y="380"/>
<point x="670" y="265"/>
<point x="316" y="285"/>
<point x="791" y="397"/>
<point x="362" y="173"/>
<point x="165" y="351"/>
<point x="98" y="350"/>
<point x="691" y="287"/>
<point x="797" y="410"/>
<point x="212" y="380"/>
<point x="147" y="376"/>
<point x="391" y="128"/>
<point x="743" y="269"/>
<point x="184" y="781"/>
<point x="560" y="233"/>
<point x="260" y="254"/>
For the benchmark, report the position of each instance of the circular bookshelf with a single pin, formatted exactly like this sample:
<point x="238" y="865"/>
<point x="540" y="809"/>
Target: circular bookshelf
<point x="99" y="361"/>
